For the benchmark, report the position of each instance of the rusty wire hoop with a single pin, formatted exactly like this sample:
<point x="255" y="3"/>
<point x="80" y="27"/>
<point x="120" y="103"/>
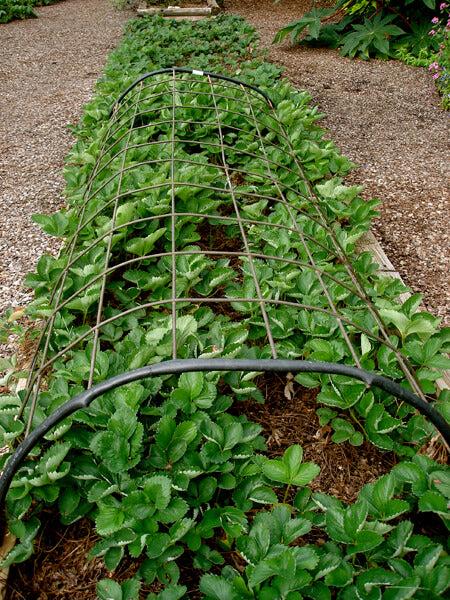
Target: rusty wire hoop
<point x="158" y="104"/>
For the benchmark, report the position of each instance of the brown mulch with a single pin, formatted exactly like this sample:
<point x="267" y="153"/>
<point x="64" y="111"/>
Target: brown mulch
<point x="60" y="567"/>
<point x="386" y="117"/>
<point x="289" y="417"/>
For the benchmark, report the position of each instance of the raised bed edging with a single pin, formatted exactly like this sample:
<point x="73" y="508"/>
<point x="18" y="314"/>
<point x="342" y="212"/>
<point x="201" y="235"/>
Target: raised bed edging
<point x="211" y="9"/>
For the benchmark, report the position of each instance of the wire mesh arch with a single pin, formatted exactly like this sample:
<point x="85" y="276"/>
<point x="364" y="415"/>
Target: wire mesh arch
<point x="198" y="199"/>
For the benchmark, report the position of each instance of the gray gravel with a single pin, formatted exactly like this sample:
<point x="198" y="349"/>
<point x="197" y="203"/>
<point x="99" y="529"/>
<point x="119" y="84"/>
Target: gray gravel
<point x="386" y="117"/>
<point x="48" y="68"/>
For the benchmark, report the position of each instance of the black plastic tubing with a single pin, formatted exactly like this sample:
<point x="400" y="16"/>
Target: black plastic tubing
<point x="173" y="367"/>
<point x="193" y="72"/>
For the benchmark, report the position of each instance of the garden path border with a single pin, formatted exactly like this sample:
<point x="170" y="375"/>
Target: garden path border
<point x="211" y="9"/>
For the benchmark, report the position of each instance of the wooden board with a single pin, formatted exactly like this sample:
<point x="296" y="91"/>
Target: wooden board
<point x="176" y="11"/>
<point x="210" y="9"/>
<point x="370" y="243"/>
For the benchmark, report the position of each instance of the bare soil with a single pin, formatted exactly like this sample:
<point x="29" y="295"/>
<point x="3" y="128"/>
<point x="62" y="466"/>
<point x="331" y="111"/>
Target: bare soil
<point x="386" y="117"/>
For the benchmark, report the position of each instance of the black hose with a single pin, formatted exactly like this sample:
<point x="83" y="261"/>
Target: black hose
<point x="172" y="367"/>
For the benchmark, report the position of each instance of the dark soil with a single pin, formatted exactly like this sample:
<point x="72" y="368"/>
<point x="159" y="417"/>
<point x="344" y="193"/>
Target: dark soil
<point x="60" y="568"/>
<point x="289" y="417"/>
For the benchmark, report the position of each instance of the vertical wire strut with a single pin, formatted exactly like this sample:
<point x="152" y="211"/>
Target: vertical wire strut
<point x="173" y="219"/>
<point x="35" y="375"/>
<point x="262" y="302"/>
<point x="96" y="342"/>
<point x="305" y="245"/>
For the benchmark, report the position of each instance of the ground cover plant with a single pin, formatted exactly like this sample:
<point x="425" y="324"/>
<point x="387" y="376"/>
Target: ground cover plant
<point x="20" y="9"/>
<point x="414" y="31"/>
<point x="172" y="471"/>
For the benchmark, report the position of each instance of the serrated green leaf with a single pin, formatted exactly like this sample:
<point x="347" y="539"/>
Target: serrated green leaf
<point x="305" y="474"/>
<point x="109" y="520"/>
<point x="143" y="246"/>
<point x="107" y="589"/>
<point x="216" y="587"/>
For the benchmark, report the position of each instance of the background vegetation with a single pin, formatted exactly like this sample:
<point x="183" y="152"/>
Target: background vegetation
<point x="414" y="31"/>
<point x="20" y="9"/>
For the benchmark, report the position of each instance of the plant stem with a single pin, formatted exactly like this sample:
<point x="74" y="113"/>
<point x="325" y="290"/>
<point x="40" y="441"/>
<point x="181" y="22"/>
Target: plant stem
<point x="286" y="493"/>
<point x="358" y="422"/>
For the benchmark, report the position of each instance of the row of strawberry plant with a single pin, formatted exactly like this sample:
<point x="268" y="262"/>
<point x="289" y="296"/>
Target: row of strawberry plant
<point x="314" y="336"/>
<point x="192" y="487"/>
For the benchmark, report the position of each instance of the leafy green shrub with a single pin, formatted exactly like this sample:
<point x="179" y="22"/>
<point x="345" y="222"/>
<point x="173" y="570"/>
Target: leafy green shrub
<point x="387" y="29"/>
<point x="364" y="28"/>
<point x="163" y="467"/>
<point x="19" y="9"/>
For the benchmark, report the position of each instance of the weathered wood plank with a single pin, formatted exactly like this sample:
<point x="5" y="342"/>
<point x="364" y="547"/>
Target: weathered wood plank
<point x="177" y="11"/>
<point x="215" y="8"/>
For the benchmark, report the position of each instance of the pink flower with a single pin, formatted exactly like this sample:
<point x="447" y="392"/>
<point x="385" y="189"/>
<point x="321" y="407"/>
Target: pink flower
<point x="432" y="32"/>
<point x="443" y="5"/>
<point x="433" y="67"/>
<point x="435" y="76"/>
<point x="435" y="20"/>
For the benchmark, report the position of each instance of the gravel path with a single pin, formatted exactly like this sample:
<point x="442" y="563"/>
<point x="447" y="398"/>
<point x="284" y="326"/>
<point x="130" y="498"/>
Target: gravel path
<point x="386" y="117"/>
<point x="48" y="69"/>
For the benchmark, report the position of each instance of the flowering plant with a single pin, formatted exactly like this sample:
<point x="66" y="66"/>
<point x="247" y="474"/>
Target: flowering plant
<point x="440" y="67"/>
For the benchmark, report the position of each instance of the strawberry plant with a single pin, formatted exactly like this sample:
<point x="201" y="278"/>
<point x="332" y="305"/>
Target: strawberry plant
<point x="169" y="468"/>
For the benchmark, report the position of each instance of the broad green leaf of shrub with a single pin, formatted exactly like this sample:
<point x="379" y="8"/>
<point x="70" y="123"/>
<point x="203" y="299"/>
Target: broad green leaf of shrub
<point x="371" y="37"/>
<point x="311" y="21"/>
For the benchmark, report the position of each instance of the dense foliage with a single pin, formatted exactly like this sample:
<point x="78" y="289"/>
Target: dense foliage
<point x="168" y="468"/>
<point x="20" y="9"/>
<point x="415" y="31"/>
